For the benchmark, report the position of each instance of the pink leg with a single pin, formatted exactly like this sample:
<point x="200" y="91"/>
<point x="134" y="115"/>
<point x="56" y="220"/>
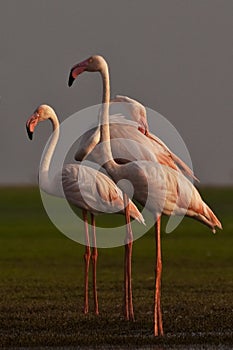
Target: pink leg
<point x="129" y="313"/>
<point x="126" y="284"/>
<point x="94" y="256"/>
<point x="87" y="262"/>
<point x="130" y="293"/>
<point x="158" y="324"/>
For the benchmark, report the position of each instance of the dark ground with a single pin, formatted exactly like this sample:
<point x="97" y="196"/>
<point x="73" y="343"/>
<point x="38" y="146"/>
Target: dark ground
<point x="41" y="284"/>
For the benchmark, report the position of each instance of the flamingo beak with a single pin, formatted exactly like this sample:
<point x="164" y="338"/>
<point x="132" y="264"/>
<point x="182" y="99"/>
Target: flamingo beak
<point x="71" y="79"/>
<point x="76" y="70"/>
<point x="30" y="125"/>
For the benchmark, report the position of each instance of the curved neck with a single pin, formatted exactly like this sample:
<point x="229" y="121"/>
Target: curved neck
<point x="108" y="160"/>
<point x="44" y="177"/>
<point x="106" y="84"/>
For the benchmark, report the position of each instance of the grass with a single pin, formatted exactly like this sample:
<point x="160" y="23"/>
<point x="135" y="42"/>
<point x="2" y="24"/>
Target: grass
<point x="41" y="284"/>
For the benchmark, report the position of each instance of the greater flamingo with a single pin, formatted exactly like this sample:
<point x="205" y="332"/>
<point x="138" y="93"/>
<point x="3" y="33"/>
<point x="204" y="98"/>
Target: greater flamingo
<point x="170" y="192"/>
<point x="138" y="113"/>
<point x="101" y="193"/>
<point x="123" y="129"/>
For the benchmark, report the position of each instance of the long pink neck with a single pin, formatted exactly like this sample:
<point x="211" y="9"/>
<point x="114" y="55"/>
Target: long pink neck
<point x="45" y="178"/>
<point x="107" y="158"/>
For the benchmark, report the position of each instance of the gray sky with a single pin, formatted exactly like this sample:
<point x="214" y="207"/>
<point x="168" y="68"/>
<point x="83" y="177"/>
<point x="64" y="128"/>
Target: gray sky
<point x="174" y="56"/>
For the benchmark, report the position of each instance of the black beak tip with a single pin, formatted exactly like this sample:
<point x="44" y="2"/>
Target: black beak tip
<point x="30" y="134"/>
<point x="71" y="80"/>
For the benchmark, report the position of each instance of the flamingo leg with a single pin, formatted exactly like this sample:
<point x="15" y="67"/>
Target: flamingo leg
<point x="126" y="284"/>
<point x="94" y="256"/>
<point x="158" y="324"/>
<point x="129" y="313"/>
<point x="87" y="255"/>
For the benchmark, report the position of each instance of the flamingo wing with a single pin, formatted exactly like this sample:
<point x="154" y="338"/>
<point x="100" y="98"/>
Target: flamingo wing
<point x="164" y="155"/>
<point x="90" y="189"/>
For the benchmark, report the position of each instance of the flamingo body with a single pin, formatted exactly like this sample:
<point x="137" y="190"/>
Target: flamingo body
<point x="93" y="191"/>
<point x="138" y="113"/>
<point x="142" y="147"/>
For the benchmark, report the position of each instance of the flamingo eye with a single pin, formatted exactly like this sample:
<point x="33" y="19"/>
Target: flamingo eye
<point x="90" y="60"/>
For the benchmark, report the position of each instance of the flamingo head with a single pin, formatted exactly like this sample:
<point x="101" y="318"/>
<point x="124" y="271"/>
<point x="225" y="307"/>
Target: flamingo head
<point x="92" y="64"/>
<point x="137" y="111"/>
<point x="43" y="112"/>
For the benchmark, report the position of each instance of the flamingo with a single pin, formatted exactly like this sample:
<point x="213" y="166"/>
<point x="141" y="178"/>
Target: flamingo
<point x="136" y="130"/>
<point x="101" y="193"/>
<point x="170" y="192"/>
<point x="138" y="114"/>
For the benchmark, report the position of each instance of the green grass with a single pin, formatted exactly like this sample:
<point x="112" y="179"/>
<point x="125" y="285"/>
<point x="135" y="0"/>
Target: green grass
<point x="41" y="284"/>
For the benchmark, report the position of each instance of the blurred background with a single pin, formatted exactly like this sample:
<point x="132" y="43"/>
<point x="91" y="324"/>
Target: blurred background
<point x="173" y="56"/>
